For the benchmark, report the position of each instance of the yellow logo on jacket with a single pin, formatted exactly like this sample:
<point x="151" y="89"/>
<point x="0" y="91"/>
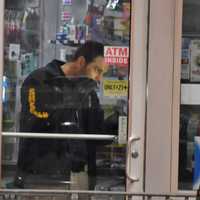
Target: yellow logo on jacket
<point x="32" y="106"/>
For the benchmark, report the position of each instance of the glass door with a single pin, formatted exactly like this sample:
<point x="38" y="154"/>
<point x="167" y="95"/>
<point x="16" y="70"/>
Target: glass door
<point x="189" y="79"/>
<point x="62" y="127"/>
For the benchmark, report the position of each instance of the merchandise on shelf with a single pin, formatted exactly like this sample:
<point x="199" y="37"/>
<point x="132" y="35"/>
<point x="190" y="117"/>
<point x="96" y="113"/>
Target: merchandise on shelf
<point x="195" y="61"/>
<point x="21" y="44"/>
<point x="67" y="2"/>
<point x="185" y="64"/>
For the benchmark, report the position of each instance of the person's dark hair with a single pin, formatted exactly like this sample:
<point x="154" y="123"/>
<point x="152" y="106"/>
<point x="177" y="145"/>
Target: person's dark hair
<point x="89" y="50"/>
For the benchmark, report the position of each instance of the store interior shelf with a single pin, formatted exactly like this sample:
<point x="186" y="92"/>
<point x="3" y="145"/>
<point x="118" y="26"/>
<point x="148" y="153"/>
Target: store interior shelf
<point x="191" y="35"/>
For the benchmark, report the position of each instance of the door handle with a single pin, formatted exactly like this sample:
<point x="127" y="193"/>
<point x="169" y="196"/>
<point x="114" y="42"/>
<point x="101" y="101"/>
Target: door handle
<point x="128" y="169"/>
<point x="61" y="136"/>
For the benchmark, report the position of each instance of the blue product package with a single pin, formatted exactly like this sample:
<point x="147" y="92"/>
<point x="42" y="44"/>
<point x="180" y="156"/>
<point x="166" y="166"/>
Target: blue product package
<point x="5" y="84"/>
<point x="67" y="2"/>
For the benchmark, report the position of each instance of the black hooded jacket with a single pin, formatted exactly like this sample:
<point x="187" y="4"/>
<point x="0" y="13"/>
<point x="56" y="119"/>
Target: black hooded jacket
<point x="52" y="103"/>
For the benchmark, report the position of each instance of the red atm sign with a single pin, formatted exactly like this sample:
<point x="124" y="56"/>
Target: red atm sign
<point x="116" y="55"/>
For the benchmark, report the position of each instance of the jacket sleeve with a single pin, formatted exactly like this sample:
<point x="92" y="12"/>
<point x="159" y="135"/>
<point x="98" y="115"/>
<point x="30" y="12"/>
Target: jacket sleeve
<point x="96" y="122"/>
<point x="95" y="115"/>
<point x="34" y="116"/>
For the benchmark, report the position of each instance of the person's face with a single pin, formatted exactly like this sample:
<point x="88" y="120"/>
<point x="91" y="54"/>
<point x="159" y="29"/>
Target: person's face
<point x="96" y="68"/>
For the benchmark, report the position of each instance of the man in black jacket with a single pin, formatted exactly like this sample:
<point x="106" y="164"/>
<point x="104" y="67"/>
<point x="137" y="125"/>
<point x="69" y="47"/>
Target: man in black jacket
<point x="61" y="98"/>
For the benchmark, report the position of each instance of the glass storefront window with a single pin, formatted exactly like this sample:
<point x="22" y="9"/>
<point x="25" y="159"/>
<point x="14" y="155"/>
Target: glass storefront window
<point x="46" y="100"/>
<point x="190" y="87"/>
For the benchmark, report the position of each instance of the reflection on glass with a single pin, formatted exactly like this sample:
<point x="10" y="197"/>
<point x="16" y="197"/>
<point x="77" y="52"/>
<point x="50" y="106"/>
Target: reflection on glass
<point x="72" y="94"/>
<point x="190" y="85"/>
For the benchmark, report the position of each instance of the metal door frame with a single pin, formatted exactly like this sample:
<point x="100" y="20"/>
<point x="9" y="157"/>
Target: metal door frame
<point x="67" y="194"/>
<point x="163" y="104"/>
<point x="137" y="89"/>
<point x="1" y="69"/>
<point x="176" y="95"/>
<point x="164" y="55"/>
<point x="176" y="99"/>
<point x="138" y="93"/>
